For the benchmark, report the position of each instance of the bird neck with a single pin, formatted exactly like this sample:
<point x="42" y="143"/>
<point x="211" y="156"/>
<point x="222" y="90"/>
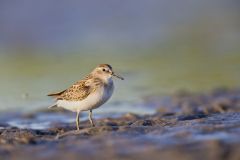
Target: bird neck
<point x="106" y="80"/>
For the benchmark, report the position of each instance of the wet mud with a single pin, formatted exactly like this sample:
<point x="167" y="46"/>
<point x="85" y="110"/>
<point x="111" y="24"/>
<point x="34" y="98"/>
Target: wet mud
<point x="186" y="126"/>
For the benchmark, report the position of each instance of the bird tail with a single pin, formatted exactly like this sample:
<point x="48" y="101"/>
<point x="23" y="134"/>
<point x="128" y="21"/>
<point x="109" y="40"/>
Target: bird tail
<point x="53" y="106"/>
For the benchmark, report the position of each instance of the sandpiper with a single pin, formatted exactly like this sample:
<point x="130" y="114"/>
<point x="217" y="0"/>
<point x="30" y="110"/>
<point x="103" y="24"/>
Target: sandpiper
<point x="89" y="93"/>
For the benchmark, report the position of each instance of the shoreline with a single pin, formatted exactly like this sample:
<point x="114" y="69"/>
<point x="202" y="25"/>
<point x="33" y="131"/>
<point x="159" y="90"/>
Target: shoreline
<point x="185" y="127"/>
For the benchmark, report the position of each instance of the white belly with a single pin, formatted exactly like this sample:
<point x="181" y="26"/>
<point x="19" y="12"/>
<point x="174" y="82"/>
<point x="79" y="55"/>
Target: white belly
<point x="92" y="101"/>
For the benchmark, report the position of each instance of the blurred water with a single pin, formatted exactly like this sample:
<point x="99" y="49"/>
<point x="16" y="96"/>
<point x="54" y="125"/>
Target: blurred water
<point x="25" y="81"/>
<point x="158" y="46"/>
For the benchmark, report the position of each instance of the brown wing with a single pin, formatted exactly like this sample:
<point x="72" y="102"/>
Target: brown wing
<point x="79" y="91"/>
<point x="56" y="94"/>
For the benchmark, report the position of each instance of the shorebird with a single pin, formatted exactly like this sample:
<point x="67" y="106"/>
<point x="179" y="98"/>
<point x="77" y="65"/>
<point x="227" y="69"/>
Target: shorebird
<point x="87" y="94"/>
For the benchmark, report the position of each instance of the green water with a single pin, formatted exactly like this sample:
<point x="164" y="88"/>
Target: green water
<point x="26" y="79"/>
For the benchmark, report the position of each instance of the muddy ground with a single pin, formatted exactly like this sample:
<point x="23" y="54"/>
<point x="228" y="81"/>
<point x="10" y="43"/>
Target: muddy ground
<point x="186" y="126"/>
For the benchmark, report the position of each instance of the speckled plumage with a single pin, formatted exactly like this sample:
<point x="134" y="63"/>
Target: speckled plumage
<point x="80" y="90"/>
<point x="89" y="93"/>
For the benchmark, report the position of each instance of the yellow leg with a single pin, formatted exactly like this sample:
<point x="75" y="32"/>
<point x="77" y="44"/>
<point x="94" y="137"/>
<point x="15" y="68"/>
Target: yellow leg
<point x="77" y="121"/>
<point x="90" y="118"/>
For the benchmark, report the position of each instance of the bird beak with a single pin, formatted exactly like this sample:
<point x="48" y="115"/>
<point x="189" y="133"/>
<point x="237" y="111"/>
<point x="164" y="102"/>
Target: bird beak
<point x="113" y="74"/>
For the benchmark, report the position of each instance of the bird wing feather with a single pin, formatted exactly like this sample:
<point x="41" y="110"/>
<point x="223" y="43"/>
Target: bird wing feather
<point x="78" y="91"/>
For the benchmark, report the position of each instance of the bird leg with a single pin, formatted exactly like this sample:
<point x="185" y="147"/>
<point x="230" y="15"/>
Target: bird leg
<point x="77" y="121"/>
<point x="90" y="118"/>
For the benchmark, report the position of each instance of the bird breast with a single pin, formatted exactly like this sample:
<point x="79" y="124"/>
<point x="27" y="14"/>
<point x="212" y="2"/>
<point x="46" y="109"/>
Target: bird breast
<point x="100" y="96"/>
<point x="107" y="91"/>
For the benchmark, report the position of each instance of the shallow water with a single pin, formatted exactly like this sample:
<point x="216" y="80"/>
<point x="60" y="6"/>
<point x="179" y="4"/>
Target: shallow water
<point x="25" y="80"/>
<point x="43" y="120"/>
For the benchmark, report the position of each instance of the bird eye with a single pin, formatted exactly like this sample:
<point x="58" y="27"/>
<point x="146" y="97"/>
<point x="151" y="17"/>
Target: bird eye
<point x="104" y="70"/>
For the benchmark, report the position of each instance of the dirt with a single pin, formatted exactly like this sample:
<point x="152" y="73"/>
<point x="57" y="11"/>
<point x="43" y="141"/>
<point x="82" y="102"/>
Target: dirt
<point x="186" y="126"/>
